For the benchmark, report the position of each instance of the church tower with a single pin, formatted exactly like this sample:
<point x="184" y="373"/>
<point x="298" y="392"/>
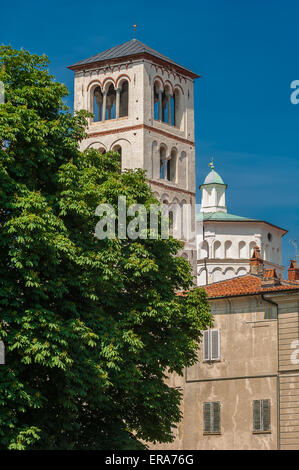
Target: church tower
<point x="142" y="105"/>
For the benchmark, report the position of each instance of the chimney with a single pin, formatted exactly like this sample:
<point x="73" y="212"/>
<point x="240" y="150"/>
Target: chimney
<point x="256" y="262"/>
<point x="270" y="278"/>
<point x="293" y="271"/>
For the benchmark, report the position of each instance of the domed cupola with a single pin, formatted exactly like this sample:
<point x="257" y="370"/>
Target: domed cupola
<point x="213" y="192"/>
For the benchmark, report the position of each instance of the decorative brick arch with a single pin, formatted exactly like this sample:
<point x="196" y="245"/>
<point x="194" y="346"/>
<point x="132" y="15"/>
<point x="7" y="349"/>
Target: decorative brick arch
<point x="107" y="79"/>
<point x="123" y="75"/>
<point x="178" y="86"/>
<point x="160" y="79"/>
<point x="167" y="82"/>
<point x="92" y="83"/>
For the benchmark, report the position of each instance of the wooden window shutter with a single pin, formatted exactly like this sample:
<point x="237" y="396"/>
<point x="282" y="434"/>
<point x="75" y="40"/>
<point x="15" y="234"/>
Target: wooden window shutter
<point x="266" y="414"/>
<point x="215" y="340"/>
<point x="257" y="422"/>
<point x="207" y="417"/>
<point x="216" y="417"/>
<point x="206" y="345"/>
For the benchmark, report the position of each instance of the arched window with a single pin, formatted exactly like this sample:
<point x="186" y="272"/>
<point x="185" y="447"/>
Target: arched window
<point x="178" y="108"/>
<point x="171" y="166"/>
<point x="167" y="105"/>
<point x="163" y="163"/>
<point x="228" y="249"/>
<point x="124" y="99"/>
<point x="203" y="250"/>
<point x="217" y="249"/>
<point x="157" y="101"/>
<point x="242" y="250"/>
<point x="164" y="107"/>
<point x="97" y="104"/>
<point x="102" y="150"/>
<point x="111" y="103"/>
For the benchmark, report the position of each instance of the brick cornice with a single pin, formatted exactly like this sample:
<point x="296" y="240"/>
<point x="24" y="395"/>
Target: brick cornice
<point x="171" y="188"/>
<point x="141" y="126"/>
<point x="143" y="55"/>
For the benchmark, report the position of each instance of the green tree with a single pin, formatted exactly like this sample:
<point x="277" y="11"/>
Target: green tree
<point x="91" y="326"/>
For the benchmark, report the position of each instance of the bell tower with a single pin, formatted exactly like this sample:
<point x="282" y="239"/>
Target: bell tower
<point x="142" y="105"/>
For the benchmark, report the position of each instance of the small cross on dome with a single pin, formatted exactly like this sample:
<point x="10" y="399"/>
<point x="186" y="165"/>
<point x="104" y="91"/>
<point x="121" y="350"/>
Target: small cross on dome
<point x="211" y="164"/>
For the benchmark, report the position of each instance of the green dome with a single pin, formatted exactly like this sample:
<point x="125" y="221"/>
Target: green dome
<point x="213" y="178"/>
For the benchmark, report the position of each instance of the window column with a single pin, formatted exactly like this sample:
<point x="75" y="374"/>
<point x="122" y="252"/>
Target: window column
<point x="169" y="96"/>
<point x="104" y="105"/>
<point x="117" y="110"/>
<point x="160" y="104"/>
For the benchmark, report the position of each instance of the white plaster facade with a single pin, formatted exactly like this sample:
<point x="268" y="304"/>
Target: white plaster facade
<point x="225" y="242"/>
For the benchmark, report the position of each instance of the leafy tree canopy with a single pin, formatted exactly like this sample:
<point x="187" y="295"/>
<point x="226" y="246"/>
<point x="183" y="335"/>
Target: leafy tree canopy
<point x="91" y="327"/>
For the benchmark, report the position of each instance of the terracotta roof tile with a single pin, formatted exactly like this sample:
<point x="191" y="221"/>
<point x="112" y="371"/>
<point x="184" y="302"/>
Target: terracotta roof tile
<point x="248" y="284"/>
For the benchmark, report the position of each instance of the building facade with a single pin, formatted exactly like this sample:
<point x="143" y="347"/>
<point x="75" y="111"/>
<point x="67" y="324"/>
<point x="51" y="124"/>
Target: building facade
<point x="142" y="105"/>
<point x="243" y="393"/>
<point x="225" y="242"/>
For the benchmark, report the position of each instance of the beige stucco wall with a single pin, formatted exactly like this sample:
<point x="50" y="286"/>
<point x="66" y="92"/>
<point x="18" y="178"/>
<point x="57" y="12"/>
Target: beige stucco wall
<point x="247" y="371"/>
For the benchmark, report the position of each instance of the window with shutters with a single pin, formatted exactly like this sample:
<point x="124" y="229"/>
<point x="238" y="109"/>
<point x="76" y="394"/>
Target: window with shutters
<point x="211" y="345"/>
<point x="261" y="416"/>
<point x="211" y="417"/>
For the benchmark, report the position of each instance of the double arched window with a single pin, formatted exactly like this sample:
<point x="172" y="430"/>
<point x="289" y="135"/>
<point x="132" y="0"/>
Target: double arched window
<point x="167" y="104"/>
<point x="168" y="164"/>
<point x="110" y="102"/>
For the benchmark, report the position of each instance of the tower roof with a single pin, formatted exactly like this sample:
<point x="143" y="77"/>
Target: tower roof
<point x="129" y="48"/>
<point x="213" y="178"/>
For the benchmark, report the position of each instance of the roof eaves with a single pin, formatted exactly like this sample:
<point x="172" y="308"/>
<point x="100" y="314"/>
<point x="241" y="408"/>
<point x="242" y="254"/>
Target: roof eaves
<point x="257" y="292"/>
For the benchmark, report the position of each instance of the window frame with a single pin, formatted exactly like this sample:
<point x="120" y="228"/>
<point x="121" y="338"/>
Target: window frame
<point x="214" y="426"/>
<point x="264" y="420"/>
<point x="209" y="334"/>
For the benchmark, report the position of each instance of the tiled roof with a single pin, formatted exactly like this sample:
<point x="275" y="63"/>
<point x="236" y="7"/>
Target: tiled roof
<point x="248" y="284"/>
<point x="129" y="48"/>
<point x="222" y="216"/>
<point x="225" y="217"/>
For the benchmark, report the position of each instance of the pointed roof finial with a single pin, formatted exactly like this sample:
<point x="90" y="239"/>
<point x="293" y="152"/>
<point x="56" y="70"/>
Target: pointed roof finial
<point x="211" y="164"/>
<point x="134" y="28"/>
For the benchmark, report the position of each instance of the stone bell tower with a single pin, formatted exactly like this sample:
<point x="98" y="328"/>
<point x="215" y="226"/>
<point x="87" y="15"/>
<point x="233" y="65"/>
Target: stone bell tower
<point x="142" y="105"/>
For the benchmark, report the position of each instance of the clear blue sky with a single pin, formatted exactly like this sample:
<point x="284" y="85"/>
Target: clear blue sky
<point x="247" y="53"/>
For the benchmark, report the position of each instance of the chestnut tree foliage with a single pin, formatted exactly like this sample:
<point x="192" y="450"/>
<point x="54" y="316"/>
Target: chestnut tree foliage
<point x="91" y="327"/>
